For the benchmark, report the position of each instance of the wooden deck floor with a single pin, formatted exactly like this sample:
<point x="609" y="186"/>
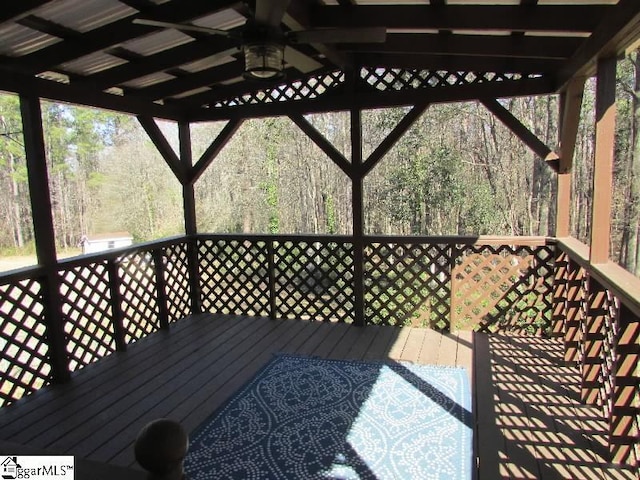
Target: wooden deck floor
<point x="529" y="421"/>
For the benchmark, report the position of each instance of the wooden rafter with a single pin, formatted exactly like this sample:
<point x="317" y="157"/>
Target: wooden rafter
<point x="522" y="132"/>
<point x="83" y="95"/>
<point x="473" y="45"/>
<point x="163" y="147"/>
<point x="214" y="149"/>
<point x="110" y="35"/>
<point x="620" y="27"/>
<point x="571" y="18"/>
<point x="158" y="62"/>
<point x="325" y="145"/>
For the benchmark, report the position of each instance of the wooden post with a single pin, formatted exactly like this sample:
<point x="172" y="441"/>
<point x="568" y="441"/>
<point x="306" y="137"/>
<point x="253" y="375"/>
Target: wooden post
<point x="190" y="220"/>
<point x="116" y="307"/>
<point x="570" y="106"/>
<point x="357" y="183"/>
<point x="44" y="235"/>
<point x="603" y="162"/>
<point x="161" y="287"/>
<point x="271" y="254"/>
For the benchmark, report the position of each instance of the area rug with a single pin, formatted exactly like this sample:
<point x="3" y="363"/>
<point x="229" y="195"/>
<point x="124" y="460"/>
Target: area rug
<point x="311" y="418"/>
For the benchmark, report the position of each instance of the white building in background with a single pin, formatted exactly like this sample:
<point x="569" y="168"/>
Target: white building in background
<point x="105" y="241"/>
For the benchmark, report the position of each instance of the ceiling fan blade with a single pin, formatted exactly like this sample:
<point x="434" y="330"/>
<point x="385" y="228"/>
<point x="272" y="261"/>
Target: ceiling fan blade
<point x="187" y="27"/>
<point x="339" y="35"/>
<point x="270" y="12"/>
<point x="299" y="60"/>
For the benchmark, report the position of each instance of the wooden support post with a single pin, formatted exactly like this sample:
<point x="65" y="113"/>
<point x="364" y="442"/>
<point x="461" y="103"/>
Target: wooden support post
<point x="161" y="287"/>
<point x="603" y="162"/>
<point x="570" y="106"/>
<point x="357" y="184"/>
<point x="593" y="339"/>
<point x="623" y="427"/>
<point x="273" y="305"/>
<point x="190" y="220"/>
<point x="575" y="312"/>
<point x="43" y="230"/>
<point x="116" y="307"/>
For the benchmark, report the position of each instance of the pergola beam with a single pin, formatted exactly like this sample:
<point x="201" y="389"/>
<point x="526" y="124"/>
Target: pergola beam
<point x="340" y="101"/>
<point x="522" y="132"/>
<point x="620" y="27"/>
<point x="472" y="45"/>
<point x="15" y="10"/>
<point x="545" y="18"/>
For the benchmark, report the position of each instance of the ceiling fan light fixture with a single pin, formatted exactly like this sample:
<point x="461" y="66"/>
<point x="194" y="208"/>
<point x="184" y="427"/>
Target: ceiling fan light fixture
<point x="264" y="61"/>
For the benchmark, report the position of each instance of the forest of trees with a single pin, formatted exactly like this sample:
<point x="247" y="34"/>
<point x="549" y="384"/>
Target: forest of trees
<point x="457" y="171"/>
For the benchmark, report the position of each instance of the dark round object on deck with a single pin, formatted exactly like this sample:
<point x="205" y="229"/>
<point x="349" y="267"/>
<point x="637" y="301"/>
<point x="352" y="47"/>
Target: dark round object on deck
<point x="161" y="447"/>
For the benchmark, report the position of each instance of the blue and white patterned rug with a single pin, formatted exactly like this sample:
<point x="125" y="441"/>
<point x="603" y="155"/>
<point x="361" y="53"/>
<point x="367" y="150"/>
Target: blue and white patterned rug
<point x="309" y="418"/>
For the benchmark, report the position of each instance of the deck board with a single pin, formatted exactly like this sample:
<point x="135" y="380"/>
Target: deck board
<point x="529" y="423"/>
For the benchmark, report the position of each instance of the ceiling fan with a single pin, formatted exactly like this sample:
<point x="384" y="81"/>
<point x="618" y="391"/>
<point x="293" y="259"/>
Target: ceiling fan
<point x="265" y="45"/>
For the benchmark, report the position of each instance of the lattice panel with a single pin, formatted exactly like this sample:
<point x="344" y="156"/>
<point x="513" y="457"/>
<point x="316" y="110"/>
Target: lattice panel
<point x="138" y="295"/>
<point x="176" y="274"/>
<point x="311" y="88"/>
<point x="400" y="79"/>
<point x="24" y="365"/>
<point x="314" y="280"/>
<point x="87" y="313"/>
<point x="611" y="334"/>
<point x="234" y="276"/>
<point x="503" y="288"/>
<point x="407" y="284"/>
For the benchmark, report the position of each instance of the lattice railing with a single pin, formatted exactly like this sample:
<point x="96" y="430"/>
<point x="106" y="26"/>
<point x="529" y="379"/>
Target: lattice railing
<point x="408" y="284"/>
<point x="177" y="280"/>
<point x="234" y="276"/>
<point x="506" y="288"/>
<point x="25" y="365"/>
<point x="396" y="79"/>
<point x="87" y="313"/>
<point x="602" y="336"/>
<point x="314" y="280"/>
<point x="139" y="300"/>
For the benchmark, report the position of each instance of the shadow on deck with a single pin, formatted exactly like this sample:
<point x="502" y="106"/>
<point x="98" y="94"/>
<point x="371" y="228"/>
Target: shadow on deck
<point x="530" y="423"/>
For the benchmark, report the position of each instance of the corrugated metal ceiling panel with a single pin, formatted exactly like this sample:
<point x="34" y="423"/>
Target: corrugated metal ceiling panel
<point x="18" y="40"/>
<point x="223" y="20"/>
<point x="207" y="62"/>
<point x="157" y="42"/>
<point x="84" y="15"/>
<point x="148" y="80"/>
<point x="89" y="64"/>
